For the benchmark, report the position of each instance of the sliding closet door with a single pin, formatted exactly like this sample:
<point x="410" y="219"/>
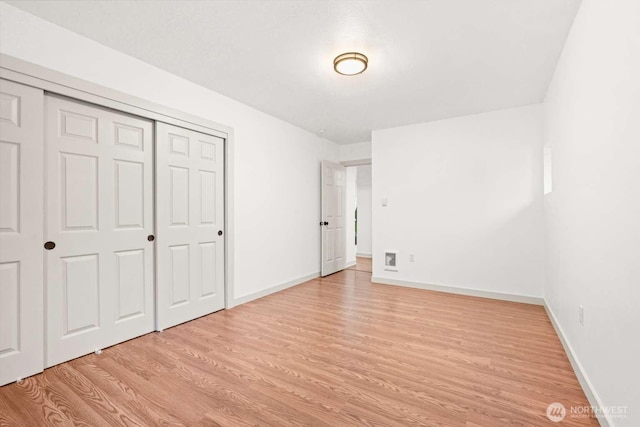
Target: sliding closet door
<point x="21" y="165"/>
<point x="99" y="224"/>
<point x="190" y="223"/>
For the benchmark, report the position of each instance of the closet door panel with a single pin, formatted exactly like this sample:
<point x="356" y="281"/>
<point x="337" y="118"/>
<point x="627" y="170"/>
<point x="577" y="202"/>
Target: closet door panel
<point x="99" y="214"/>
<point x="190" y="223"/>
<point x="21" y="231"/>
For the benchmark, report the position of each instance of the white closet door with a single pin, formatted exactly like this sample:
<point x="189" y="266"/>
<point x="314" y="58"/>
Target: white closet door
<point x="190" y="223"/>
<point x="334" y="232"/>
<point x="99" y="214"/>
<point x="21" y="239"/>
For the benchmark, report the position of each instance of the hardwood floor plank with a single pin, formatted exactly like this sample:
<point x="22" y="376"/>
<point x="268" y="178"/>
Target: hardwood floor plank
<point x="362" y="264"/>
<point x="80" y="412"/>
<point x="109" y="407"/>
<point x="335" y="351"/>
<point x="18" y="407"/>
<point x="133" y="401"/>
<point x="53" y="408"/>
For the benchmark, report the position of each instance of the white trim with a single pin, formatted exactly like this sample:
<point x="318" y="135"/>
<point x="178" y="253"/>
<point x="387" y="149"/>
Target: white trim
<point x="281" y="287"/>
<point x="27" y="73"/>
<point x="350" y="264"/>
<point x="361" y="162"/>
<point x="363" y="255"/>
<point x="229" y="216"/>
<point x="583" y="379"/>
<point x="30" y="74"/>
<point x="526" y="299"/>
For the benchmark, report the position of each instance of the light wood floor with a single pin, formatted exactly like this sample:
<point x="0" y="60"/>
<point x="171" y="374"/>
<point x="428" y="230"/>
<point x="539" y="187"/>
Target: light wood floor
<point x="362" y="264"/>
<point x="337" y="351"/>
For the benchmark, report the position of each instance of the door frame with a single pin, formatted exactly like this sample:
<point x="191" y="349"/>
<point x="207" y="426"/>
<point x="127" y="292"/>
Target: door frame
<point x="29" y="74"/>
<point x="355" y="163"/>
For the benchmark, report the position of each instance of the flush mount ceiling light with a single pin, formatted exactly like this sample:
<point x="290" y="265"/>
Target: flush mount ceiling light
<point x="350" y="64"/>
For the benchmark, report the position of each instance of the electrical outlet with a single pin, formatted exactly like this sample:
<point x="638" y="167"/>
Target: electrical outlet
<point x="581" y="314"/>
<point x="411" y="258"/>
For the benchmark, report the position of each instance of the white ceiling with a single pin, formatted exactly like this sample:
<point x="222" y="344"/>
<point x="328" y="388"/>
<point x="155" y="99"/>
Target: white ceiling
<point x="428" y="60"/>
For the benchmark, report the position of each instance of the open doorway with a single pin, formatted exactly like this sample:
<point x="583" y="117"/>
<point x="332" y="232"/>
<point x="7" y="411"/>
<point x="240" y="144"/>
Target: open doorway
<point x="358" y="189"/>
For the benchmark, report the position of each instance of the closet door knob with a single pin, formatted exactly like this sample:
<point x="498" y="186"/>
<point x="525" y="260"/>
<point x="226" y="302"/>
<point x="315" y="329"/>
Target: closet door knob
<point x="219" y="232"/>
<point x="49" y="245"/>
<point x="151" y="237"/>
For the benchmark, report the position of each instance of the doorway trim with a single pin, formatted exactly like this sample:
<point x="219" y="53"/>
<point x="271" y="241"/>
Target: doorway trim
<point x="30" y="74"/>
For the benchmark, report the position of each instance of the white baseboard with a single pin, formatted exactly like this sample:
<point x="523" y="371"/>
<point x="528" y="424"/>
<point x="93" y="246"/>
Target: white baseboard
<point x="583" y="379"/>
<point x="350" y="264"/>
<point x="461" y="291"/>
<point x="363" y="255"/>
<point x="263" y="293"/>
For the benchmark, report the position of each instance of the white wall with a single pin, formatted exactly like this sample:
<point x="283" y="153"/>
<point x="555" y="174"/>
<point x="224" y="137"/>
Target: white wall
<point x="359" y="151"/>
<point x="364" y="210"/>
<point x="351" y="190"/>
<point x="277" y="165"/>
<point x="465" y="197"/>
<point x="593" y="214"/>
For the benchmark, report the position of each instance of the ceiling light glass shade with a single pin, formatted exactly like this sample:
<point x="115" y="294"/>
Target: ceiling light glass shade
<point x="350" y="63"/>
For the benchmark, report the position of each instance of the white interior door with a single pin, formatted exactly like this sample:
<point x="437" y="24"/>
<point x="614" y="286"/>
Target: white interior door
<point x="190" y="222"/>
<point x="21" y="235"/>
<point x="99" y="214"/>
<point x="334" y="232"/>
